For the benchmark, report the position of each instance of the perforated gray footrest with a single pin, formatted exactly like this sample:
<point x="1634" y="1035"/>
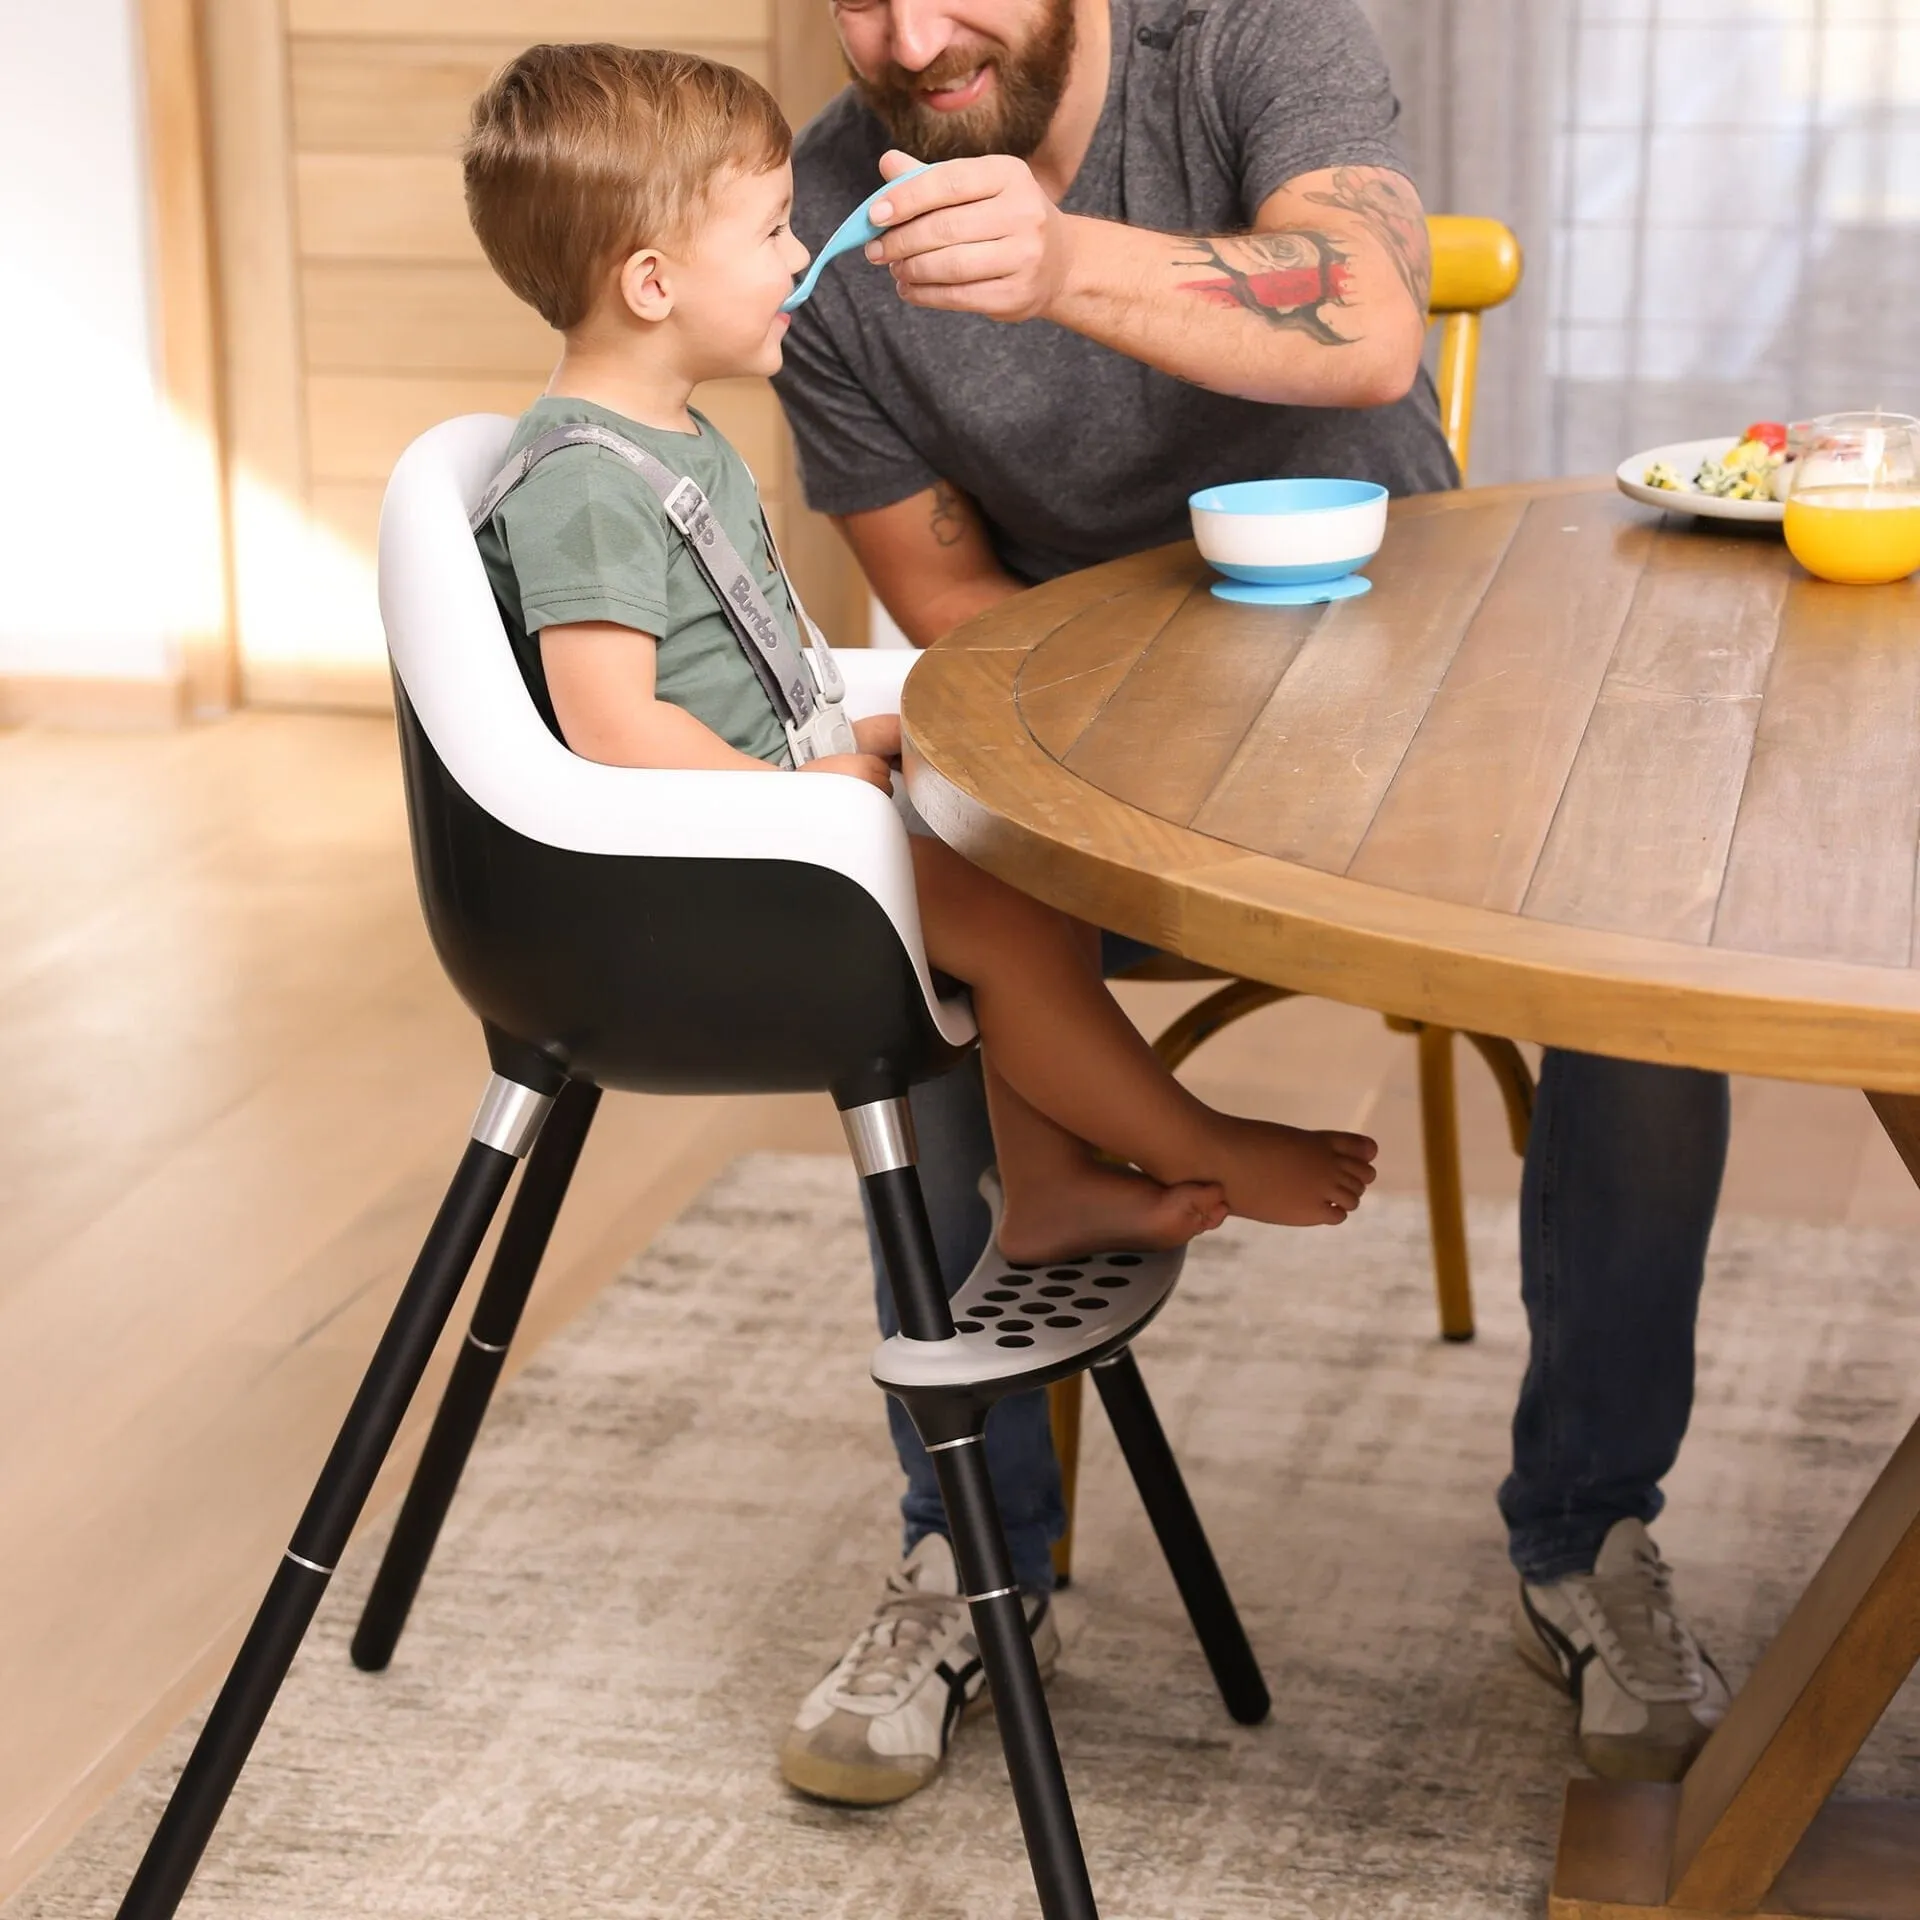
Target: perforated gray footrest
<point x="1020" y="1325"/>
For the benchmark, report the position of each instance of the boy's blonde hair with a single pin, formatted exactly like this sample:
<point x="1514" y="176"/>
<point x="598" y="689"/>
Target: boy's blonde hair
<point x="578" y="156"/>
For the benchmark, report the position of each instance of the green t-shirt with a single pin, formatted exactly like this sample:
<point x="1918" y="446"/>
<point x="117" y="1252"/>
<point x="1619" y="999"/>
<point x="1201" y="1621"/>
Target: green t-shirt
<point x="583" y="537"/>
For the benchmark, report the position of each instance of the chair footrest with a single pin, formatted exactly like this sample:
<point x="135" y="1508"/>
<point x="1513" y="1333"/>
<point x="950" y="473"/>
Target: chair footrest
<point x="1022" y="1326"/>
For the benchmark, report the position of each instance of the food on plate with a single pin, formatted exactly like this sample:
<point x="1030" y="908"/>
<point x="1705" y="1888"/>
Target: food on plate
<point x="1746" y="471"/>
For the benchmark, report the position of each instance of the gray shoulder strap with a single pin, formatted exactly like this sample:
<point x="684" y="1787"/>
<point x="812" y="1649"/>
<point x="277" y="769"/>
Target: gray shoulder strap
<point x="766" y="643"/>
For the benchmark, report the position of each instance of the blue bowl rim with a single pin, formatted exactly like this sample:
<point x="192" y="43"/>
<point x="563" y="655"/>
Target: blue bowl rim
<point x="1366" y="493"/>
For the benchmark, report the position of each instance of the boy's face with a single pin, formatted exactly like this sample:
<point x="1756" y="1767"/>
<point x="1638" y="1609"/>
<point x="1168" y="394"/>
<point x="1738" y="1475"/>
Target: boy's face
<point x="730" y="278"/>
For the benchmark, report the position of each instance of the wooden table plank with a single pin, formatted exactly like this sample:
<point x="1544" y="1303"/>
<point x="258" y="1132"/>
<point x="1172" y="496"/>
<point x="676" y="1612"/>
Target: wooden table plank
<point x="1213" y="664"/>
<point x="1070" y="677"/>
<point x="1310" y="775"/>
<point x="1640" y="841"/>
<point x="1469" y="810"/>
<point x="1822" y="862"/>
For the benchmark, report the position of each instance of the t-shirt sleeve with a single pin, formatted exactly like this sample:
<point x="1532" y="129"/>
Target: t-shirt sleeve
<point x="1301" y="85"/>
<point x="587" y="541"/>
<point x="852" y="457"/>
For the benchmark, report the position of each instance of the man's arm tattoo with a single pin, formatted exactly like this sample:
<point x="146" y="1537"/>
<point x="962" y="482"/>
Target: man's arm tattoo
<point x="949" y="515"/>
<point x="1389" y="210"/>
<point x="1288" y="278"/>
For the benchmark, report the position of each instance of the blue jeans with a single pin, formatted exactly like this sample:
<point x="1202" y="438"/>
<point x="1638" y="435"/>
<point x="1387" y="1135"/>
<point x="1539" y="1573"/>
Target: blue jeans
<point x="1616" y="1203"/>
<point x="1622" y="1177"/>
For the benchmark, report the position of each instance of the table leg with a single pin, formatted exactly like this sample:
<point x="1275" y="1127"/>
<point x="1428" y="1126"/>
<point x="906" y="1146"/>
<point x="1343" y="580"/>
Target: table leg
<point x="1752" y="1829"/>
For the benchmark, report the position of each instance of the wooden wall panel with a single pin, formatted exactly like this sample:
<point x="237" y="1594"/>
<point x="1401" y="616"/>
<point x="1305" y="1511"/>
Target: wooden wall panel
<point x="256" y="268"/>
<point x="188" y="340"/>
<point x="382" y="206"/>
<point x="369" y="312"/>
<point x="666" y="23"/>
<point x="403" y="317"/>
<point x="407" y="96"/>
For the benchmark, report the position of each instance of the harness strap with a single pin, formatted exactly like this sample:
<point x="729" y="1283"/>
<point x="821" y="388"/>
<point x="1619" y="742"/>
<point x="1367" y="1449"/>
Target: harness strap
<point x="799" y="688"/>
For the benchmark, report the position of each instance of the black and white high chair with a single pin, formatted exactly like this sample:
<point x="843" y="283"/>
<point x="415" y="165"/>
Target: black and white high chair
<point x="680" y="932"/>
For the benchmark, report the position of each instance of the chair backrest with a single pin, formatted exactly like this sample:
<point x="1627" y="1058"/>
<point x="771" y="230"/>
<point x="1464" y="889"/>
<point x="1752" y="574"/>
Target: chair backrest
<point x="1477" y="264"/>
<point x="658" y="930"/>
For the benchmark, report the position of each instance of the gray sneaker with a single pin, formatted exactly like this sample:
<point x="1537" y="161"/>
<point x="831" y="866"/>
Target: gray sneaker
<point x="1647" y="1693"/>
<point x="876" y="1729"/>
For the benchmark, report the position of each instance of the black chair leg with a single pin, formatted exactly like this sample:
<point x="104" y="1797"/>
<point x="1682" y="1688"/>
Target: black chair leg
<point x="496" y="1318"/>
<point x="1196" y="1573"/>
<point x="1013" y="1675"/>
<point x="509" y="1119"/>
<point x="880" y="1137"/>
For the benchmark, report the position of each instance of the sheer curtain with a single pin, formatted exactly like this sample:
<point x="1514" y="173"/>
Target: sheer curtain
<point x="1719" y="199"/>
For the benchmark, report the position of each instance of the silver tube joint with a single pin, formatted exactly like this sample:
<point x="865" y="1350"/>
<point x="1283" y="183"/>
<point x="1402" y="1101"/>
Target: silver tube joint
<point x="880" y="1136"/>
<point x="510" y="1117"/>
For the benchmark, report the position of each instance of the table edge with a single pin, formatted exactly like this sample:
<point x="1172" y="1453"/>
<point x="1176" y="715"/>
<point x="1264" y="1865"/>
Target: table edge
<point x="1000" y="798"/>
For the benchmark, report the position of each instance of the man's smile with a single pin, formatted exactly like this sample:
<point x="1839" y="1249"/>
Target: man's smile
<point x="957" y="95"/>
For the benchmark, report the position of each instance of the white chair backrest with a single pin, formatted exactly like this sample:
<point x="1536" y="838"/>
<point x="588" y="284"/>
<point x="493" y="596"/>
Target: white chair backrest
<point x="451" y="655"/>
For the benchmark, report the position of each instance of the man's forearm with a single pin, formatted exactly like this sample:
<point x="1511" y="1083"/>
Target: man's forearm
<point x="1297" y="317"/>
<point x="926" y="620"/>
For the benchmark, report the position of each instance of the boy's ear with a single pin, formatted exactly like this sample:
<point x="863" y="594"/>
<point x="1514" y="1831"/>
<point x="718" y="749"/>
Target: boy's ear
<point x="643" y="285"/>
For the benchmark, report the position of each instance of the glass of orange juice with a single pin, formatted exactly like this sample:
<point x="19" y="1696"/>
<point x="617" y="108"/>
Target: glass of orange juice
<point x="1854" y="512"/>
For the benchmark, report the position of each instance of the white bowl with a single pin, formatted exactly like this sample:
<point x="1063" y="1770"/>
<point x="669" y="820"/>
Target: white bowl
<point x="1289" y="532"/>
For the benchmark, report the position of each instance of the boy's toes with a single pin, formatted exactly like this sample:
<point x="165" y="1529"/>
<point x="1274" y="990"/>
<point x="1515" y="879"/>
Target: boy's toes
<point x="1353" y="1146"/>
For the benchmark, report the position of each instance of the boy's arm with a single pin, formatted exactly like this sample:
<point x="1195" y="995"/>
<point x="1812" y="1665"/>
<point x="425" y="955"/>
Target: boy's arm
<point x="600" y="677"/>
<point x="929" y="560"/>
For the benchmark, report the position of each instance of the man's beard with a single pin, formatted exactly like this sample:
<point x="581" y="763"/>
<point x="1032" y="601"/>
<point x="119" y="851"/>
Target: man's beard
<point x="1014" y="118"/>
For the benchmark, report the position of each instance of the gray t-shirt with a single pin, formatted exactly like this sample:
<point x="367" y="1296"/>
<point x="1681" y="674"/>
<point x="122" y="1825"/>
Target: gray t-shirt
<point x="1075" y="453"/>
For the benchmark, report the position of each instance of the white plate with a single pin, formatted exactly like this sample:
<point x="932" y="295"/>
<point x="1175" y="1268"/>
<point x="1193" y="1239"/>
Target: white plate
<point x="1685" y="457"/>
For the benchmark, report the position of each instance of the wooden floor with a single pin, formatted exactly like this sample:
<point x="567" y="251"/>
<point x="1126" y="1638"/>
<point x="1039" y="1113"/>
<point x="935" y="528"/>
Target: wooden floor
<point x="231" y="1085"/>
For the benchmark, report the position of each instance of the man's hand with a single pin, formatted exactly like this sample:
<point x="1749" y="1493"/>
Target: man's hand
<point x="859" y="766"/>
<point x="973" y="236"/>
<point x="879" y="735"/>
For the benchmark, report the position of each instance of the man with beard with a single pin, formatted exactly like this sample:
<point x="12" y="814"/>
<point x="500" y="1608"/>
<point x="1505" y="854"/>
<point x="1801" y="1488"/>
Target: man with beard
<point x="1174" y="246"/>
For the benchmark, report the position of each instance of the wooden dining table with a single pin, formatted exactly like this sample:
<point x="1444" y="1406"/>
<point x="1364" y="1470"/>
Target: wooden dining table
<point x="1577" y="772"/>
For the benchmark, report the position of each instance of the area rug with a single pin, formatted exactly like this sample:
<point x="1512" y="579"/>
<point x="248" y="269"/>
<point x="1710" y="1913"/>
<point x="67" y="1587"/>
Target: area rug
<point x="682" y="1508"/>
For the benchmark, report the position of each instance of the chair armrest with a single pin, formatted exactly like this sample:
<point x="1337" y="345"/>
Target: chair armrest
<point x="874" y="677"/>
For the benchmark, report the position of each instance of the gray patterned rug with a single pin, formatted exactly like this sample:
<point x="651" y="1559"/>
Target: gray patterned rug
<point x="684" y="1505"/>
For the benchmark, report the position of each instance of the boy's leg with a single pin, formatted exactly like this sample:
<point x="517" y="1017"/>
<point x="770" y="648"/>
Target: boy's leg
<point x="1622" y="1179"/>
<point x="1059" y="1040"/>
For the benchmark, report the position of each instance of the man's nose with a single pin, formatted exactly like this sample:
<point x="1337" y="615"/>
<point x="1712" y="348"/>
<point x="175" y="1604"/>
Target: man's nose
<point x="920" y="31"/>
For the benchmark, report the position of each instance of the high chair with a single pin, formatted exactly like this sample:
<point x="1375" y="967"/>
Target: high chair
<point x="1476" y="266"/>
<point x="680" y="932"/>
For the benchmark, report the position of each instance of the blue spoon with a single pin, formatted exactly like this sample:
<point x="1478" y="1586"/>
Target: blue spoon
<point x="856" y="230"/>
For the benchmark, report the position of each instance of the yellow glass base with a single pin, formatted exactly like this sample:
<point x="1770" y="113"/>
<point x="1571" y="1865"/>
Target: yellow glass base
<point x="1855" y="537"/>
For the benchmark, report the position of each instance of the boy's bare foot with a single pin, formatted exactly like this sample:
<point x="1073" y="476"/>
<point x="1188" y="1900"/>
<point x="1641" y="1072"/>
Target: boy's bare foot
<point x="1292" y="1178"/>
<point x="1099" y="1208"/>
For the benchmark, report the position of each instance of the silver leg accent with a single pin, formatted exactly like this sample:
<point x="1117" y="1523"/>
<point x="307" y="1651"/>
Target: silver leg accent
<point x="312" y="1566"/>
<point x="998" y="1593"/>
<point x="880" y="1136"/>
<point x="510" y="1117"/>
<point x="947" y="1446"/>
<point x="485" y="1346"/>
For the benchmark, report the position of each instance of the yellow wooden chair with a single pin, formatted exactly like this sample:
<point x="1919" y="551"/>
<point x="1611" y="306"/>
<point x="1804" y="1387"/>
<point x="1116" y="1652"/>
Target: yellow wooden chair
<point x="1476" y="265"/>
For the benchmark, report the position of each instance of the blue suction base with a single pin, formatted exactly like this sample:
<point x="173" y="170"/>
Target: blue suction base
<point x="1310" y="594"/>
